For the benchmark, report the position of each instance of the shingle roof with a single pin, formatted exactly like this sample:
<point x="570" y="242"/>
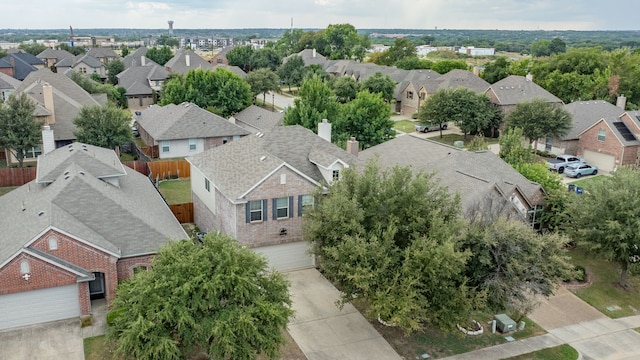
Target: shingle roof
<point x="136" y="58"/>
<point x="128" y="220"/>
<point x="22" y="64"/>
<point x="136" y="78"/>
<point x="587" y="113"/>
<point x="308" y="57"/>
<point x="68" y="99"/>
<point x="178" y="63"/>
<point x="514" y="89"/>
<point x="100" y="162"/>
<point x="8" y="82"/>
<point x="89" y="60"/>
<point x="240" y="165"/>
<point x="611" y="122"/>
<point x="50" y="53"/>
<point x="473" y="175"/>
<point x="102" y="52"/>
<point x="462" y="78"/>
<point x="185" y="121"/>
<point x="255" y="118"/>
<point x="234" y="69"/>
<point x="419" y="78"/>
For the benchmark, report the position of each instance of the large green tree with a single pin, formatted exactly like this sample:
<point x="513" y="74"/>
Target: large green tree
<point x="403" y="261"/>
<point x="33" y="48"/>
<point x="378" y="83"/>
<point x="316" y="101"/>
<point x="19" y="131"/>
<point x="262" y="81"/>
<point x="606" y="219"/>
<point x="444" y="66"/>
<point x="470" y="111"/>
<point x="292" y="71"/>
<point x="343" y="42"/>
<point x="214" y="300"/>
<point x="345" y="88"/>
<point x="242" y="57"/>
<point x="105" y="126"/>
<point x="160" y="55"/>
<point x="367" y="119"/>
<point x="221" y="91"/>
<point x="114" y="67"/>
<point x="265" y="58"/>
<point x="496" y="70"/>
<point x="401" y="49"/>
<point x="538" y="118"/>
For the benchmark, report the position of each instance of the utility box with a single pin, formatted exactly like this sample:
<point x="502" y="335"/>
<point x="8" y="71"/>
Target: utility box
<point x="504" y="323"/>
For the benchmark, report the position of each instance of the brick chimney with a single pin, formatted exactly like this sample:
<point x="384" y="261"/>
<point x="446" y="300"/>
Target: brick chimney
<point x="352" y="146"/>
<point x="47" y="94"/>
<point x="621" y="102"/>
<point x="324" y="130"/>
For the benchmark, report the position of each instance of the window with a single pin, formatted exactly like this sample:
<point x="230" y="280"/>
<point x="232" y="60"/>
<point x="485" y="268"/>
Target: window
<point x="601" y="135"/>
<point x="236" y="137"/>
<point x="305" y="202"/>
<point x="281" y="208"/>
<point x="53" y="243"/>
<point x="207" y="185"/>
<point x="225" y="140"/>
<point x="33" y="152"/>
<point x="165" y="146"/>
<point x="255" y="210"/>
<point x="25" y="268"/>
<point x="192" y="144"/>
<point x="139" y="269"/>
<point x="409" y="94"/>
<point x="421" y="96"/>
<point x="336" y="174"/>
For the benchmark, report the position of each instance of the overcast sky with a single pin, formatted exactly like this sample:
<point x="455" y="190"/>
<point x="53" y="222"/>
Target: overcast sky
<point x="407" y="14"/>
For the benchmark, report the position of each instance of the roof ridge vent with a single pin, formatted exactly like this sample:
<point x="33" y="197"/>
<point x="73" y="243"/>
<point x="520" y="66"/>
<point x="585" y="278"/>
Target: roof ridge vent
<point x="263" y="158"/>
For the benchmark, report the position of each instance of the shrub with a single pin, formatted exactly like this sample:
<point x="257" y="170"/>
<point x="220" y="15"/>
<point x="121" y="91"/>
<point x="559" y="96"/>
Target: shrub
<point x="114" y="315"/>
<point x="414" y="116"/>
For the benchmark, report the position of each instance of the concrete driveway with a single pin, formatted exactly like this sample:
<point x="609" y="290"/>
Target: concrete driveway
<point x="57" y="340"/>
<point x="323" y="331"/>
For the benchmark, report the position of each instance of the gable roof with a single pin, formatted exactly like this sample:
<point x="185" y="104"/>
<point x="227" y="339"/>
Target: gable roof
<point x="100" y="162"/>
<point x="427" y="79"/>
<point x="234" y="69"/>
<point x="137" y="58"/>
<point x="89" y="60"/>
<point x="128" y="220"/>
<point x="237" y="167"/>
<point x="22" y="64"/>
<point x="8" y="82"/>
<point x="256" y="119"/>
<point x="102" y="52"/>
<point x="50" y="53"/>
<point x="472" y="175"/>
<point x="462" y="78"/>
<point x="136" y="79"/>
<point x="587" y="113"/>
<point x="619" y="129"/>
<point x="178" y="63"/>
<point x="514" y="89"/>
<point x="68" y="99"/>
<point x="309" y="57"/>
<point x="185" y="121"/>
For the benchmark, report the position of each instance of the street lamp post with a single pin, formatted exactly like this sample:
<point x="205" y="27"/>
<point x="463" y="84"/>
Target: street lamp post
<point x="273" y="102"/>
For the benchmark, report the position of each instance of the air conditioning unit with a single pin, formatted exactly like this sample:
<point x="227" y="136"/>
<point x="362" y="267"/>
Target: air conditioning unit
<point x="504" y="323"/>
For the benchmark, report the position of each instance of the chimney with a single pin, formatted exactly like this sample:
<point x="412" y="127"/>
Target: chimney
<point x="621" y="102"/>
<point x="352" y="146"/>
<point x="313" y="53"/>
<point x="324" y="130"/>
<point x="48" y="143"/>
<point x="47" y="94"/>
<point x="187" y="60"/>
<point x="476" y="70"/>
<point x="143" y="61"/>
<point x="232" y="120"/>
<point x="529" y="77"/>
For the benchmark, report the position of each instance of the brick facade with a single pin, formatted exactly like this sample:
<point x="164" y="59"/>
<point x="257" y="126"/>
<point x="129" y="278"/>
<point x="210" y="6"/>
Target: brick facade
<point x="610" y="146"/>
<point x="42" y="275"/>
<point x="126" y="266"/>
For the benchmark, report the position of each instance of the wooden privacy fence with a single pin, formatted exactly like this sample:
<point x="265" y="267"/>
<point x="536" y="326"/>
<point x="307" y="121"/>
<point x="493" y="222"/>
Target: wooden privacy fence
<point x="151" y="151"/>
<point x="139" y="166"/>
<point x="16" y="176"/>
<point x="183" y="212"/>
<point x="171" y="169"/>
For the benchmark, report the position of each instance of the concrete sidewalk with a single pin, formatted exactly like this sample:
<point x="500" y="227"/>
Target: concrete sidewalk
<point x="322" y="331"/>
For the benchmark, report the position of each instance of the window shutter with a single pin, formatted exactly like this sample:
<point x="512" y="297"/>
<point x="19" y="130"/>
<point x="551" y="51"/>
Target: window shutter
<point x="264" y="210"/>
<point x="275" y="208"/>
<point x="248" y="212"/>
<point x="290" y="206"/>
<point x="299" y="205"/>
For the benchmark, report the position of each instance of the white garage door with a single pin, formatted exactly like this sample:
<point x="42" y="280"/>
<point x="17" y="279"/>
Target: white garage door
<point x="289" y="256"/>
<point x="604" y="162"/>
<point x="38" y="306"/>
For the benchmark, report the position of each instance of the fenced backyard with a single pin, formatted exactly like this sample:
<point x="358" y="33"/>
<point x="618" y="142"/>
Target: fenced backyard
<point x="16" y="176"/>
<point x="171" y="169"/>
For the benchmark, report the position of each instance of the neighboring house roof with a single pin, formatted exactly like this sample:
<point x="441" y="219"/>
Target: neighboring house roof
<point x="128" y="220"/>
<point x="89" y="60"/>
<point x="185" y="60"/>
<point x="619" y="129"/>
<point x="50" y="53"/>
<point x="473" y="175"/>
<point x="102" y="52"/>
<point x="587" y="113"/>
<point x="427" y="79"/>
<point x="136" y="79"/>
<point x="185" y="121"/>
<point x="68" y="99"/>
<point x="257" y="119"/>
<point x="8" y="83"/>
<point x="96" y="160"/>
<point x="234" y="69"/>
<point x="309" y="57"/>
<point x="138" y="58"/>
<point x="22" y="64"/>
<point x="239" y="166"/>
<point x="462" y="78"/>
<point x="514" y="89"/>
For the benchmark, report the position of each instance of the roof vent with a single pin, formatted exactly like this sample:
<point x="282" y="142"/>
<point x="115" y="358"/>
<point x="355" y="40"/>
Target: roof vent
<point x="260" y="135"/>
<point x="40" y="213"/>
<point x="66" y="177"/>
<point x="81" y="172"/>
<point x="66" y="172"/>
<point x="85" y="149"/>
<point x="70" y="149"/>
<point x="263" y="158"/>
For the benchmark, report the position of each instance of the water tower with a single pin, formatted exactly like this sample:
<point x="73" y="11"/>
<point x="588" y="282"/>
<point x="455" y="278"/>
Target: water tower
<point x="170" y="27"/>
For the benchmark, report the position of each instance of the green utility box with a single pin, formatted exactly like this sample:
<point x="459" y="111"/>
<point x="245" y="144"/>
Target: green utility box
<point x="504" y="323"/>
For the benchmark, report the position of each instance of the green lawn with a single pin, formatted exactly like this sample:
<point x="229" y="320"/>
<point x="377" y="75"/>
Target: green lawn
<point x="406" y="126"/>
<point x="176" y="191"/>
<point x="587" y="182"/>
<point x="98" y="348"/>
<point x="4" y="190"/>
<point x="605" y="292"/>
<point x="438" y="344"/>
<point x="562" y="352"/>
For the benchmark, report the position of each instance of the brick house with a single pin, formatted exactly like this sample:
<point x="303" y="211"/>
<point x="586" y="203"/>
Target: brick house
<point x="85" y="224"/>
<point x="142" y="83"/>
<point x="185" y="129"/>
<point x="256" y="188"/>
<point x="513" y="89"/>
